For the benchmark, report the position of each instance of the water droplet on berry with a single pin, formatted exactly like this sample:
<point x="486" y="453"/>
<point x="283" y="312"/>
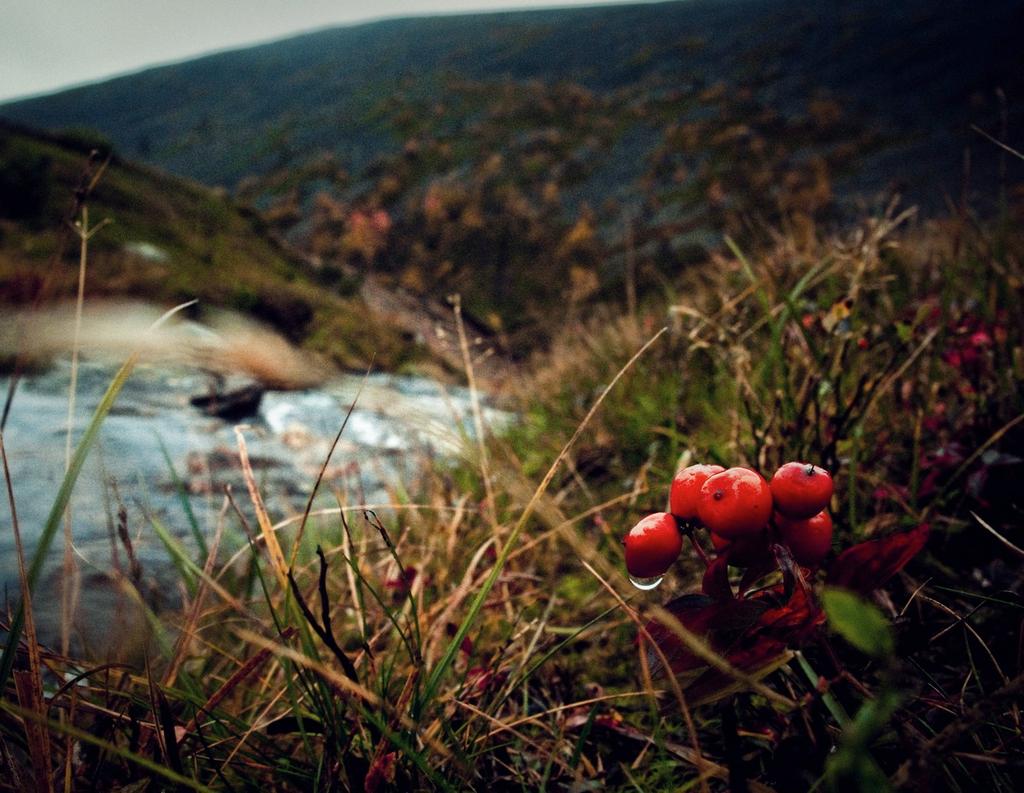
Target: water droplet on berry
<point x="646" y="584"/>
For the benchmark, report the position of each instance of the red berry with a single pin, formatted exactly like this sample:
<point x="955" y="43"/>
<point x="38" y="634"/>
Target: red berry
<point x="745" y="551"/>
<point x="980" y="339"/>
<point x="735" y="503"/>
<point x="685" y="490"/>
<point x="809" y="539"/>
<point x="652" y="545"/>
<point x="801" y="490"/>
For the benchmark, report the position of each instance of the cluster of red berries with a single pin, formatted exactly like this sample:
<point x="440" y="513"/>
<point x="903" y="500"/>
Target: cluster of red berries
<point x="744" y="514"/>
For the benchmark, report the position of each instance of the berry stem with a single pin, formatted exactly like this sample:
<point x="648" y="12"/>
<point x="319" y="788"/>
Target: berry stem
<point x="700" y="551"/>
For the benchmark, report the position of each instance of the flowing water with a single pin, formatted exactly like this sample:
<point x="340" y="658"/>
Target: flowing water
<point x="154" y="446"/>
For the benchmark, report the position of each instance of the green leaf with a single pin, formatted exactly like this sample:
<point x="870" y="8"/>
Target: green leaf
<point x="857" y="621"/>
<point x="852" y="768"/>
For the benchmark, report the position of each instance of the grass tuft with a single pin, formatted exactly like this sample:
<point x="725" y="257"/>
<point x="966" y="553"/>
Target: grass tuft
<point x="478" y="632"/>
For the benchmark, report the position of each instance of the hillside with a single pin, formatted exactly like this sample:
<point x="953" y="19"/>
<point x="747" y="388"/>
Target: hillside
<point x="169" y="241"/>
<point x="222" y="118"/>
<point x="535" y="161"/>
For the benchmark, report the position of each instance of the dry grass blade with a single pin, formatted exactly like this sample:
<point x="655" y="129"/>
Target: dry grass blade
<point x="714" y="769"/>
<point x="258" y="721"/>
<point x="977" y="453"/>
<point x="696" y="645"/>
<point x="329" y="511"/>
<point x="481" y="443"/>
<point x="7" y="762"/>
<point x="188" y="630"/>
<point x="561" y="527"/>
<point x="342" y="682"/>
<point x="277" y="560"/>
<point x="112" y="748"/>
<point x="29" y="685"/>
<point x="546" y="481"/>
<point x="403" y="702"/>
<point x="558" y="709"/>
<point x="30" y="699"/>
<point x="955" y="730"/>
<point x="323" y="468"/>
<point x="478" y="421"/>
<point x="895" y="376"/>
<point x="997" y="142"/>
<point x="70" y="583"/>
<point x="1016" y="549"/>
<point x="960" y="620"/>
<point x="551" y="753"/>
<point x="240" y="675"/>
<point x="698" y="757"/>
<point x="524" y="518"/>
<point x="347" y="550"/>
<point x="455" y="599"/>
<point x="87" y="181"/>
<point x="529" y="649"/>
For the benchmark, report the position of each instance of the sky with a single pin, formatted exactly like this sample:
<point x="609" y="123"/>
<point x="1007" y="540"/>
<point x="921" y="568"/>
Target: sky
<point x="50" y="44"/>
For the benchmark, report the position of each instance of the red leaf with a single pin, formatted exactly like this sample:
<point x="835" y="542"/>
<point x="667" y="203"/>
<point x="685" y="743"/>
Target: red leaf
<point x="749" y="659"/>
<point x="381" y="773"/>
<point x="716" y="579"/>
<point x="756" y="572"/>
<point x="869" y="565"/>
<point x="751" y="634"/>
<point x="403" y="582"/>
<point x="791" y="621"/>
<point x="720" y="623"/>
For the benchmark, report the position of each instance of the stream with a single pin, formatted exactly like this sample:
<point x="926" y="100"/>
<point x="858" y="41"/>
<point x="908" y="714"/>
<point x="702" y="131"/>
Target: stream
<point x="154" y="450"/>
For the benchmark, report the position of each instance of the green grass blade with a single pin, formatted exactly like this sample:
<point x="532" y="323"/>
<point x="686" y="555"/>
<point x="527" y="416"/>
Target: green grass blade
<point x="445" y="662"/>
<point x="186" y="505"/>
<point x="525" y="675"/>
<point x="111" y="748"/>
<point x="834" y="707"/>
<point x="407" y="748"/>
<point x="56" y="515"/>
<point x="776" y="357"/>
<point x="187" y="569"/>
<point x="577" y="751"/>
<point x="749" y="271"/>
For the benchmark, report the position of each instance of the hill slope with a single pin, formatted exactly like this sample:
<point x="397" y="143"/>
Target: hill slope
<point x="169" y="241"/>
<point x="221" y="118"/>
<point x="536" y="161"/>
